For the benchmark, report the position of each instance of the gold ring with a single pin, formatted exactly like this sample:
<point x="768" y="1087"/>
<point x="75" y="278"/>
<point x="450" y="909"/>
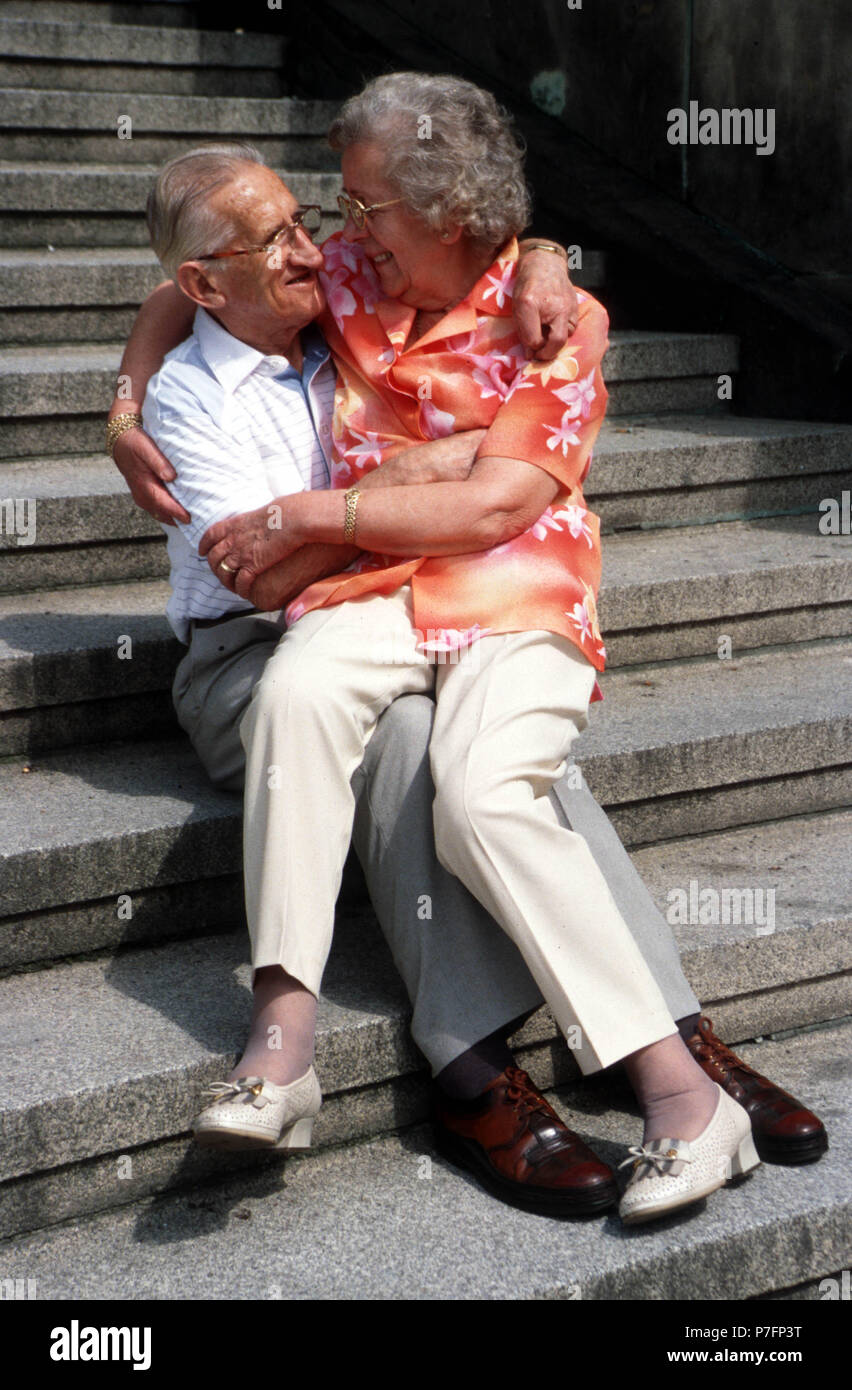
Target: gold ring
<point x="223" y="566"/>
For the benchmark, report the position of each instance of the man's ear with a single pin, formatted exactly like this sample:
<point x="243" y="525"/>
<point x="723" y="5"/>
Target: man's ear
<point x="192" y="279"/>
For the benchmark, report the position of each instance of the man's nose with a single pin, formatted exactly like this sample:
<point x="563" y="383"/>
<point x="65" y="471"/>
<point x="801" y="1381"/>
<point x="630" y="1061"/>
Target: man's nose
<point x="352" y="232"/>
<point x="304" y="252"/>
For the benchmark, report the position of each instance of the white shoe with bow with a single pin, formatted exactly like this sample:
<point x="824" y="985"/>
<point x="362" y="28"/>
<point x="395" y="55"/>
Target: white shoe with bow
<point x="671" y="1173"/>
<point x="252" y="1113"/>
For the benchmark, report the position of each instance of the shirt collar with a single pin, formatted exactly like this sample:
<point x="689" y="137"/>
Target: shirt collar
<point x="231" y="360"/>
<point x="492" y="294"/>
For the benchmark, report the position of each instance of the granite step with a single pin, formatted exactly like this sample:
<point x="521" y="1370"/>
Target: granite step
<point x="76" y="661"/>
<point x="84" y="56"/>
<point x="122" y="128"/>
<point x="439" y="1234"/>
<point x="703" y="744"/>
<point x="766" y="868"/>
<point x="168" y="12"/>
<point x="723" y="588"/>
<point x="48" y="186"/>
<point x="54" y="398"/>
<point x="647" y="472"/>
<point x="678" y="470"/>
<point x="47" y="206"/>
<point x="91" y="295"/>
<point x="759" y="737"/>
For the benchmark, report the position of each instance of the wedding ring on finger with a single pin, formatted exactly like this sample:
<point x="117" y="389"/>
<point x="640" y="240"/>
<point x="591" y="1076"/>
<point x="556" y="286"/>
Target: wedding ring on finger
<point x="223" y="566"/>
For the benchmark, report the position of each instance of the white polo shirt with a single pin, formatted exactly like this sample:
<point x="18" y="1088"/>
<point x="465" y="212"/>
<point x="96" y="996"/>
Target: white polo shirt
<point x="239" y="428"/>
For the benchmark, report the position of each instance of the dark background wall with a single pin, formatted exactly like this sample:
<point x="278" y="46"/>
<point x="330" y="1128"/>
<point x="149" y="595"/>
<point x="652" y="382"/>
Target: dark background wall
<point x="698" y="236"/>
<point x="612" y="69"/>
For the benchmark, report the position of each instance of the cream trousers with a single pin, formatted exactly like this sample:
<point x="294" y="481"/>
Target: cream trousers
<point x="508" y="709"/>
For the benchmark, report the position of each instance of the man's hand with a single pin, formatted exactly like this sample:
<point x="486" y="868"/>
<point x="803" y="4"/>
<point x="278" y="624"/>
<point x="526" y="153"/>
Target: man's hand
<point x="146" y="471"/>
<point x="242" y="547"/>
<point x="545" y="304"/>
<point x="281" y="583"/>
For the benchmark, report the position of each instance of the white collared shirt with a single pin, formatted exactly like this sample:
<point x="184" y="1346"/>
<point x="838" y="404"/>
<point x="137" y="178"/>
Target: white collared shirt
<point x="240" y="429"/>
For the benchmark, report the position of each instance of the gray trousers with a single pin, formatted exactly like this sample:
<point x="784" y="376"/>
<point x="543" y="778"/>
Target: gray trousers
<point x="464" y="976"/>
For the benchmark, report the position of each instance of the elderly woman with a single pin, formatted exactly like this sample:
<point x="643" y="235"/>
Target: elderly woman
<point x="498" y="573"/>
<point x="419" y="287"/>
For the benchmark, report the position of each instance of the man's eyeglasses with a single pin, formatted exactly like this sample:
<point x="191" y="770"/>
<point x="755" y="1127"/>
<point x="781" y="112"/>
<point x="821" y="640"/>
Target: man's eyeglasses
<point x="354" y="208"/>
<point x="304" y="219"/>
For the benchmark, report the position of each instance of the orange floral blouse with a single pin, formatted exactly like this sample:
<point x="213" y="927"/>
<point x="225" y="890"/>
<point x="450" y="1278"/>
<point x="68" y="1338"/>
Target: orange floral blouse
<point x="469" y="372"/>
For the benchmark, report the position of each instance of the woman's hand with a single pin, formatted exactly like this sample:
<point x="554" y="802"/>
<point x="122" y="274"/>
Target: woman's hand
<point x="146" y="471"/>
<point x="545" y="304"/>
<point x="242" y="547"/>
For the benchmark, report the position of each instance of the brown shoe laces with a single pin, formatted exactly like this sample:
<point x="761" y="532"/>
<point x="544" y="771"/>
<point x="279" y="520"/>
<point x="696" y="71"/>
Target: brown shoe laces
<point x="524" y="1095"/>
<point x="712" y="1049"/>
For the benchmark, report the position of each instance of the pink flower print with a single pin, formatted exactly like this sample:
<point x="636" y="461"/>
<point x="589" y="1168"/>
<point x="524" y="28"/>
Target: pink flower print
<point x="546" y="522"/>
<point x="437" y="424"/>
<point x="520" y="383"/>
<point x="461" y="342"/>
<point x="369" y="447"/>
<point x="490" y="383"/>
<point x="585" y="618"/>
<point x="564" y="435"/>
<point x="340" y="473"/>
<point x="342" y="253"/>
<point x="581" y="619"/>
<point x="495" y="373"/>
<point x="387" y="357"/>
<point x="367" y="285"/>
<point x="578" y="397"/>
<point x="501" y="288"/>
<point x="574" y="517"/>
<point x="341" y="301"/>
<point x="551" y="520"/>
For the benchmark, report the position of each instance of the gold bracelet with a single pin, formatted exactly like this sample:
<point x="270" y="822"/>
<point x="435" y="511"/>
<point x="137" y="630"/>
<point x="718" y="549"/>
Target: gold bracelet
<point x="351" y="497"/>
<point x="547" y="246"/>
<point x="119" y="425"/>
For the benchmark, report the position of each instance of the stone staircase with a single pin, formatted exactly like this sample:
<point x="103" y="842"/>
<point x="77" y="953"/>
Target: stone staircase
<point x="721" y="752"/>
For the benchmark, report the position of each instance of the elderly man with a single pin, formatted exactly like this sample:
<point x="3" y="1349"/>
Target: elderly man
<point x="242" y="410"/>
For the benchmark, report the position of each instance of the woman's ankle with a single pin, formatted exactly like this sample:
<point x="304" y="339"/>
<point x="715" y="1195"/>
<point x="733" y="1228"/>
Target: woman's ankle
<point x="675" y="1095"/>
<point x="280" y="1046"/>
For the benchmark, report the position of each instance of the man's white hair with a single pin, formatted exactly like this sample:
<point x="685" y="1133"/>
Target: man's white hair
<point x="451" y="152"/>
<point x="181" y="223"/>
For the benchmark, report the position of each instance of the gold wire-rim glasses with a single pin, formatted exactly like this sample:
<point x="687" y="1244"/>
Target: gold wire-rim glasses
<point x="307" y="218"/>
<point x="354" y="208"/>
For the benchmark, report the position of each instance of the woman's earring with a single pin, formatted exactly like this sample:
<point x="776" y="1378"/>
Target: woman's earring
<point x="445" y="235"/>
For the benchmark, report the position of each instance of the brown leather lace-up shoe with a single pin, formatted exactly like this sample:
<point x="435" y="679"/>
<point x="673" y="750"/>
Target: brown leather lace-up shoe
<point x="783" y="1130"/>
<point x="514" y="1142"/>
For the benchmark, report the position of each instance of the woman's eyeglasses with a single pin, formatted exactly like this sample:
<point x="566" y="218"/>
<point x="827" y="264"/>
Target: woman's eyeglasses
<point x="354" y="208"/>
<point x="304" y="219"/>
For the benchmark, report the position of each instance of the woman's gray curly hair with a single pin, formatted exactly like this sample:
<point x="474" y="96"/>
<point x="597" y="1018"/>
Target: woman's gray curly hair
<point x="452" y="153"/>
